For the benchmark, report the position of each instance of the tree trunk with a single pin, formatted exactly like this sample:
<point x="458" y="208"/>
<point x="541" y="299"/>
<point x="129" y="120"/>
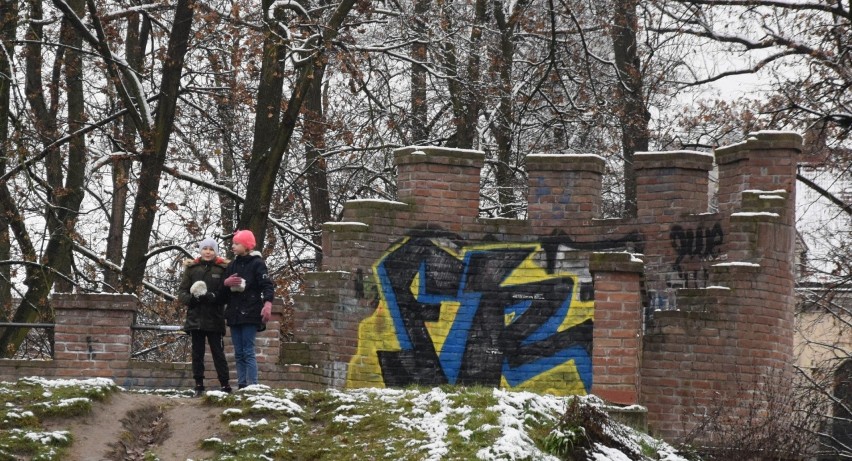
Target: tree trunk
<point x="630" y="104"/>
<point x="8" y="25"/>
<point x="465" y="96"/>
<point x="264" y="164"/>
<point x="270" y="94"/>
<point x="34" y="301"/>
<point x="155" y="146"/>
<point x="69" y="200"/>
<point x="505" y="117"/>
<point x="419" y="113"/>
<point x="134" y="50"/>
<point x="64" y="198"/>
<point x="315" y="164"/>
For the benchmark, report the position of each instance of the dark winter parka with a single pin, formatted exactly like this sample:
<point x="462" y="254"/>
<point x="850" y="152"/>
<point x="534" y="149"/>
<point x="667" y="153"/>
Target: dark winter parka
<point x="205" y="312"/>
<point x="243" y="307"/>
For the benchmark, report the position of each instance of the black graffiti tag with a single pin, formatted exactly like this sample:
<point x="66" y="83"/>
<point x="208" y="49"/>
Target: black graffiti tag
<point x="696" y="243"/>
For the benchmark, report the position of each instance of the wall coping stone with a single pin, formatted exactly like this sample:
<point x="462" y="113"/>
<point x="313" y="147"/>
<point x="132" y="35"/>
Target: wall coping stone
<point x="566" y="162"/>
<point x="438" y="155"/>
<point x="350" y="226"/>
<point x="682" y="160"/>
<point x="95" y="301"/>
<point x="766" y="139"/>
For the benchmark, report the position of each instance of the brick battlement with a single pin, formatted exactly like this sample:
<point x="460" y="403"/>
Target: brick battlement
<point x="671" y="309"/>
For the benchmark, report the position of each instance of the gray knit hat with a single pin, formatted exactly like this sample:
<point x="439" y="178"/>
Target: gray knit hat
<point x="209" y="242"/>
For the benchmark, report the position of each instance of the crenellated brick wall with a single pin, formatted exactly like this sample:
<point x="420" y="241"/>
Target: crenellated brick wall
<point x="679" y="309"/>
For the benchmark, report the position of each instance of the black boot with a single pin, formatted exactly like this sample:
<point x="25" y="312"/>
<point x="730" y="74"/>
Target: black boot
<point x="199" y="391"/>
<point x="227" y="389"/>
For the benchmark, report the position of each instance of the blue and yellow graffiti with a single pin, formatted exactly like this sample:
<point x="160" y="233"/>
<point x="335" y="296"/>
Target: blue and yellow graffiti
<point x="485" y="314"/>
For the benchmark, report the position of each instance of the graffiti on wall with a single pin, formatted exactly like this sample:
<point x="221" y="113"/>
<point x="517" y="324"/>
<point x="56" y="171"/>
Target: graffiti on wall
<point x="489" y="314"/>
<point x="694" y="247"/>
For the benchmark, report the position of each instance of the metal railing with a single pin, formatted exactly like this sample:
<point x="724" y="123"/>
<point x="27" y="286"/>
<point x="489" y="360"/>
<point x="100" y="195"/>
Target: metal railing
<point x="44" y="348"/>
<point x="168" y="329"/>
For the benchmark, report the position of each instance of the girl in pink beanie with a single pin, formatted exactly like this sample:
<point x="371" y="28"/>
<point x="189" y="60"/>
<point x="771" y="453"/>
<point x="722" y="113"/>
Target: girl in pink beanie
<point x="245" y="238"/>
<point x="248" y="292"/>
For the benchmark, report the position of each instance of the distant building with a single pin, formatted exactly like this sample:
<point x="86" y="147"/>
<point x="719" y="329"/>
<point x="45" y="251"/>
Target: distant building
<point x="823" y="340"/>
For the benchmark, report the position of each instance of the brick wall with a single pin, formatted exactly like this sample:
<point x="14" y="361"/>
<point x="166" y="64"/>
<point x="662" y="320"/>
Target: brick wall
<point x="677" y="309"/>
<point x="93" y="337"/>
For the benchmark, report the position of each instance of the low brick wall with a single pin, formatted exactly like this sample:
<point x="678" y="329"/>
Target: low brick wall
<point x="93" y="337"/>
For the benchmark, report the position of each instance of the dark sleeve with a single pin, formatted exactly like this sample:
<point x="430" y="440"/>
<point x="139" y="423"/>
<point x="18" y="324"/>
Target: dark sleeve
<point x="184" y="295"/>
<point x="267" y="288"/>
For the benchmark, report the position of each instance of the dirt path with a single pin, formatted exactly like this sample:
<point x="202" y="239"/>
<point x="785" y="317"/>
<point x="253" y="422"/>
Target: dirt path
<point x="126" y="425"/>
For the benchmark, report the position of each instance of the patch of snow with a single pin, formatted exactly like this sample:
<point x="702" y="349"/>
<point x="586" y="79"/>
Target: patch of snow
<point x="566" y="156"/>
<point x="44" y="438"/>
<point x="756" y="213"/>
<point x="249" y="423"/>
<point x="604" y="453"/>
<point x="670" y="152"/>
<point x="375" y="200"/>
<point x="758" y="191"/>
<point x="737" y="263"/>
<point x="270" y="402"/>
<point x="85" y="383"/>
<point x="348" y="420"/>
<point x="64" y="402"/>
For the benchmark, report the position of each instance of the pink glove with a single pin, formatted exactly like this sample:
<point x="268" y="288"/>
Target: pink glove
<point x="266" y="312"/>
<point x="233" y="280"/>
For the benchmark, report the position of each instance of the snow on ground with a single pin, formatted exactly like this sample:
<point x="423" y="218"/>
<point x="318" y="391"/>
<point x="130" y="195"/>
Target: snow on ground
<point x="431" y="415"/>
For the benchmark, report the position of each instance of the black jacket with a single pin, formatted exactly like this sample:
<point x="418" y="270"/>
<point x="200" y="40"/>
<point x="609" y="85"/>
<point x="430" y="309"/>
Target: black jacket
<point x="206" y="312"/>
<point x="243" y="307"/>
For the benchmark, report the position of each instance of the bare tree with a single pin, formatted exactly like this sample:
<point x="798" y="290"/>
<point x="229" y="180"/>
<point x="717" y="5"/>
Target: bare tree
<point x="8" y="24"/>
<point x="266" y="156"/>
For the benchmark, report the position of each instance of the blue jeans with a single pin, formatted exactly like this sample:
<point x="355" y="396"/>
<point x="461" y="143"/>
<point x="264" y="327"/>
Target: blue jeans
<point x="243" y="339"/>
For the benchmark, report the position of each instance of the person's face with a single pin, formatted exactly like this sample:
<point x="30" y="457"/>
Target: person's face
<point x="239" y="249"/>
<point x="208" y="253"/>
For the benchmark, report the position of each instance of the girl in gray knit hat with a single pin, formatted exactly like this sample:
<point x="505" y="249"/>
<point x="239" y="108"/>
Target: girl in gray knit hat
<point x="205" y="315"/>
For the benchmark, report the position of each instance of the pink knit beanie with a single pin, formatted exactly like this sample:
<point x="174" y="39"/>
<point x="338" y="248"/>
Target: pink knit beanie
<point x="245" y="238"/>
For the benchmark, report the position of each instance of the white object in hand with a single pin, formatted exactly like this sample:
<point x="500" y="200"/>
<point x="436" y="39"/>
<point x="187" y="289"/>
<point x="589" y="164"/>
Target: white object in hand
<point x="240" y="287"/>
<point x="198" y="288"/>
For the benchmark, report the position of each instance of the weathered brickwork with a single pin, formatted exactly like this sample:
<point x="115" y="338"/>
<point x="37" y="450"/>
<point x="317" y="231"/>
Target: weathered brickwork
<point x="93" y="337"/>
<point x="676" y="309"/>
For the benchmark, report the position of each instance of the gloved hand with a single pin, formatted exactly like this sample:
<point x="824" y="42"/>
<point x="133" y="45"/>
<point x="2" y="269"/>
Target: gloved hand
<point x="235" y="283"/>
<point x="233" y="280"/>
<point x="266" y="312"/>
<point x="208" y="297"/>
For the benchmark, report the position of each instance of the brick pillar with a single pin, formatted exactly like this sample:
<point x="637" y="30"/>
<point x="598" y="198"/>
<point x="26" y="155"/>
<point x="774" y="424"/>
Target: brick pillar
<point x="267" y="346"/>
<point x="93" y="336"/>
<point x="669" y="184"/>
<point x="441" y="183"/>
<point x="617" y="340"/>
<point x="563" y="187"/>
<point x="766" y="161"/>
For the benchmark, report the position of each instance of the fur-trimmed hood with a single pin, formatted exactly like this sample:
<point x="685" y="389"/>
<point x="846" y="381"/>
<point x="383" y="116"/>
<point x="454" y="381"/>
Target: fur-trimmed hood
<point x="219" y="261"/>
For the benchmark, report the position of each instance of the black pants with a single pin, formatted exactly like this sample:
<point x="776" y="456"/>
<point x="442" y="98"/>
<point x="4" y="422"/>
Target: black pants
<point x="217" y="350"/>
